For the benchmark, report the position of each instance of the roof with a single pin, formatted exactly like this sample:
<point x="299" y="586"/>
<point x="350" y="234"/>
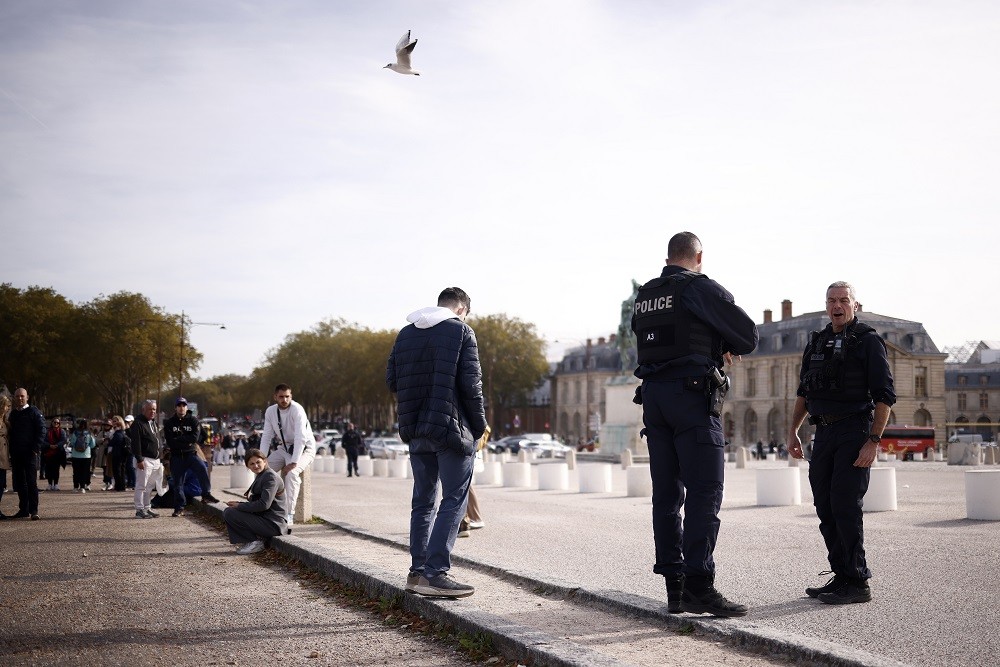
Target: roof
<point x="792" y="333"/>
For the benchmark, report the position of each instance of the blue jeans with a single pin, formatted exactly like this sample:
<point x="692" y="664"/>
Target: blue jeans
<point x="686" y="454"/>
<point x="179" y="466"/>
<point x="430" y="546"/>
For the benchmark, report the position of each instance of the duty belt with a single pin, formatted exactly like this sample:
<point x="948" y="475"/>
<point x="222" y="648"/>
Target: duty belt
<point x="827" y="420"/>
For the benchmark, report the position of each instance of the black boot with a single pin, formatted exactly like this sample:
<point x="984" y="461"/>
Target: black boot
<point x="829" y="587"/>
<point x="853" y="590"/>
<point x="700" y="597"/>
<point x="675" y="586"/>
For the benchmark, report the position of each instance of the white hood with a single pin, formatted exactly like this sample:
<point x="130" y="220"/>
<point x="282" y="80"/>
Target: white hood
<point x="425" y="318"/>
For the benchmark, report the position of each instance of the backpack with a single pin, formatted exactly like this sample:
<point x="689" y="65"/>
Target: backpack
<point x="80" y="443"/>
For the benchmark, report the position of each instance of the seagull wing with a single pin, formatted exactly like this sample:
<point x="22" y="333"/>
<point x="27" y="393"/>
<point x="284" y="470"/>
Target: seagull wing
<point x="403" y="50"/>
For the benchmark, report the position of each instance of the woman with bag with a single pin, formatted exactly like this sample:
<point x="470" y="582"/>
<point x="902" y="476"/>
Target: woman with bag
<point x="54" y="453"/>
<point x="118" y="447"/>
<point x="83" y="444"/>
<point x="262" y="516"/>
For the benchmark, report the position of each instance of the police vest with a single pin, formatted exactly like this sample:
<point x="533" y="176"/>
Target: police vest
<point x="833" y="370"/>
<point x="664" y="329"/>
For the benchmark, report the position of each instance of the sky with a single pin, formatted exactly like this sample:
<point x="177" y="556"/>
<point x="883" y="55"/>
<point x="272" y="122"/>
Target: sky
<point x="252" y="162"/>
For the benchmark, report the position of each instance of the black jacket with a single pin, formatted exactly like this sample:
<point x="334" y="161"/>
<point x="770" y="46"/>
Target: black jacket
<point x="352" y="441"/>
<point x="145" y="442"/>
<point x="182" y="433"/>
<point x="435" y="374"/>
<point x="26" y="434"/>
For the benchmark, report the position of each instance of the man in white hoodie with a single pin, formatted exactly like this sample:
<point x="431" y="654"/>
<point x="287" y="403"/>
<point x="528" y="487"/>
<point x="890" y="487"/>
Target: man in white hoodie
<point x="290" y="442"/>
<point x="434" y="371"/>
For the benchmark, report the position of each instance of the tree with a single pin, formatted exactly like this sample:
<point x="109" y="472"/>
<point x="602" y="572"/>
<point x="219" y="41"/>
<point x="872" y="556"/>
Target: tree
<point x="34" y="326"/>
<point x="512" y="355"/>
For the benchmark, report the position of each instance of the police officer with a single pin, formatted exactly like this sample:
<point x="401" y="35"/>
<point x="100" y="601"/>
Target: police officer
<point x="687" y="328"/>
<point x="182" y="432"/>
<point x="845" y="385"/>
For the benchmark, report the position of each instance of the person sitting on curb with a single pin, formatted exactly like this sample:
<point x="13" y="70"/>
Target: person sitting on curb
<point x="262" y="516"/>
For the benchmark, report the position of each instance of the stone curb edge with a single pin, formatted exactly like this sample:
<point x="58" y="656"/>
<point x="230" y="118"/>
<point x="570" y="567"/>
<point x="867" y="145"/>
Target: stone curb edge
<point x="752" y="636"/>
<point x="514" y="641"/>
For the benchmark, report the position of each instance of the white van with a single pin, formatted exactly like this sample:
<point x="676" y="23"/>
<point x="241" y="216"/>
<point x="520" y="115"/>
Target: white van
<point x="966" y="437"/>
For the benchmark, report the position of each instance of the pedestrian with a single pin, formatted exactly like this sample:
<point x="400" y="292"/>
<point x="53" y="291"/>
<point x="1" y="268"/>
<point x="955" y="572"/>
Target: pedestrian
<point x="129" y="463"/>
<point x="292" y="444"/>
<point x="182" y="432"/>
<point x="54" y="453"/>
<point x="352" y="443"/>
<point x="145" y="441"/>
<point x="687" y="329"/>
<point x="115" y="458"/>
<point x="241" y="449"/>
<point x="81" y="447"/>
<point x="846" y="388"/>
<point x="26" y="435"/>
<point x="4" y="445"/>
<point x="262" y="516"/>
<point x="435" y="374"/>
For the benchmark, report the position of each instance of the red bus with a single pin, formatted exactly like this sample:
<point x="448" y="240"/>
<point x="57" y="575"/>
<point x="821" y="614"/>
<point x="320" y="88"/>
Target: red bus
<point x="903" y="440"/>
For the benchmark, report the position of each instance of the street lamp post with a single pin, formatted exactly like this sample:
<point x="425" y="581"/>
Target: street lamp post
<point x="184" y="325"/>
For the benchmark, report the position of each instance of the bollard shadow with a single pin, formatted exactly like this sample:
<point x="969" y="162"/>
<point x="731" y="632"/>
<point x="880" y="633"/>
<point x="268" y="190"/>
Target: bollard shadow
<point x="951" y="523"/>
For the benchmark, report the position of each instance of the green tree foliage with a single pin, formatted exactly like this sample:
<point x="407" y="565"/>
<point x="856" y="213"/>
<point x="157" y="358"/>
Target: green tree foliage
<point x="512" y="355"/>
<point x="132" y="347"/>
<point x="35" y="325"/>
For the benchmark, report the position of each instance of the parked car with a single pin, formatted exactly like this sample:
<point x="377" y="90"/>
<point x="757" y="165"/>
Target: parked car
<point x="325" y="445"/>
<point x="512" y="444"/>
<point x="546" y="448"/>
<point x="387" y="448"/>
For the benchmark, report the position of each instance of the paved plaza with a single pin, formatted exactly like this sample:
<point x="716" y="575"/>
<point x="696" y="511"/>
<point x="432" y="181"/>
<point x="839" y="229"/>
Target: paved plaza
<point x="935" y="572"/>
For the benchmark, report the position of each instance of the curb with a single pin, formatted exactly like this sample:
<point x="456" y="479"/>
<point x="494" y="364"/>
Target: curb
<point x="526" y="644"/>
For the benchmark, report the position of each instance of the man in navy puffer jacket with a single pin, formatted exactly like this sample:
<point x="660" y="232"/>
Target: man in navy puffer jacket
<point x="434" y="372"/>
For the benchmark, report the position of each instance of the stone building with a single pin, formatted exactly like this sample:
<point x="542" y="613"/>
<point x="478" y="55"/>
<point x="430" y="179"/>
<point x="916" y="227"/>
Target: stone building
<point x="759" y="406"/>
<point x="972" y="388"/>
<point x="578" y="388"/>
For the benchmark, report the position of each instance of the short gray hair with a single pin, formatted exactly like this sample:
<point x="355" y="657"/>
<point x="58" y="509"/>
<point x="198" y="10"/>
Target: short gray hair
<point x="844" y="284"/>
<point x="148" y="402"/>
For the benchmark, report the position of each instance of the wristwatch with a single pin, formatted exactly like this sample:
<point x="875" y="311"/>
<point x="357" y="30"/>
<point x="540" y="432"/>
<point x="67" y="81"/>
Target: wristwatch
<point x="875" y="438"/>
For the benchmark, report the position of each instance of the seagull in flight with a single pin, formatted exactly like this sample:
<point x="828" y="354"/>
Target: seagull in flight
<point x="403" y="50"/>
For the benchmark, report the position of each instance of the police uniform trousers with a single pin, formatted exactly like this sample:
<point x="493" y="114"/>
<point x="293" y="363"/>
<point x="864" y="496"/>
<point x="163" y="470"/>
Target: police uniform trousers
<point x="686" y="453"/>
<point x="838" y="489"/>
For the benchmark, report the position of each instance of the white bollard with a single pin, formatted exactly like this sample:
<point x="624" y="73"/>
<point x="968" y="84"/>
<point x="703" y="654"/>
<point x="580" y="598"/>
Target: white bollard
<point x="741" y="457"/>
<point x="380" y="467"/>
<point x="772" y="456"/>
<point x="889" y="458"/>
<point x="517" y="474"/>
<point x="638" y="483"/>
<point x="571" y="459"/>
<point x="778" y="487"/>
<point x="400" y="467"/>
<point x="982" y="494"/>
<point x="240" y="477"/>
<point x="492" y="474"/>
<point x="918" y="456"/>
<point x="881" y="494"/>
<point x="364" y="465"/>
<point x="939" y="456"/>
<point x="595" y="478"/>
<point x="522" y="455"/>
<point x="553" y="477"/>
<point x="339" y="465"/>
<point x="626" y="458"/>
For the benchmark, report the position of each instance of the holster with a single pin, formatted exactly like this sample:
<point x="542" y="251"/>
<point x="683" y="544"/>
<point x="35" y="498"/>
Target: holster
<point x="718" y="384"/>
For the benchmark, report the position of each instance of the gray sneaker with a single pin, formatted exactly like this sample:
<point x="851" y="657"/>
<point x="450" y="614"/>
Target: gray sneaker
<point x="412" y="579"/>
<point x="141" y="514"/>
<point x="442" y="586"/>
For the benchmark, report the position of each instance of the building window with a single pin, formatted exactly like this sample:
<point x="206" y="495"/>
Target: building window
<point x="576" y="390"/>
<point x="920" y="381"/>
<point x="751" y="382"/>
<point x="961" y="401"/>
<point x="775" y="380"/>
<point x="984" y="401"/>
<point x="984" y="380"/>
<point x="962" y="380"/>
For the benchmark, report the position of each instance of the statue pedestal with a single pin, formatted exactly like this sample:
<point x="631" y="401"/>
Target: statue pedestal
<point x="623" y="418"/>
